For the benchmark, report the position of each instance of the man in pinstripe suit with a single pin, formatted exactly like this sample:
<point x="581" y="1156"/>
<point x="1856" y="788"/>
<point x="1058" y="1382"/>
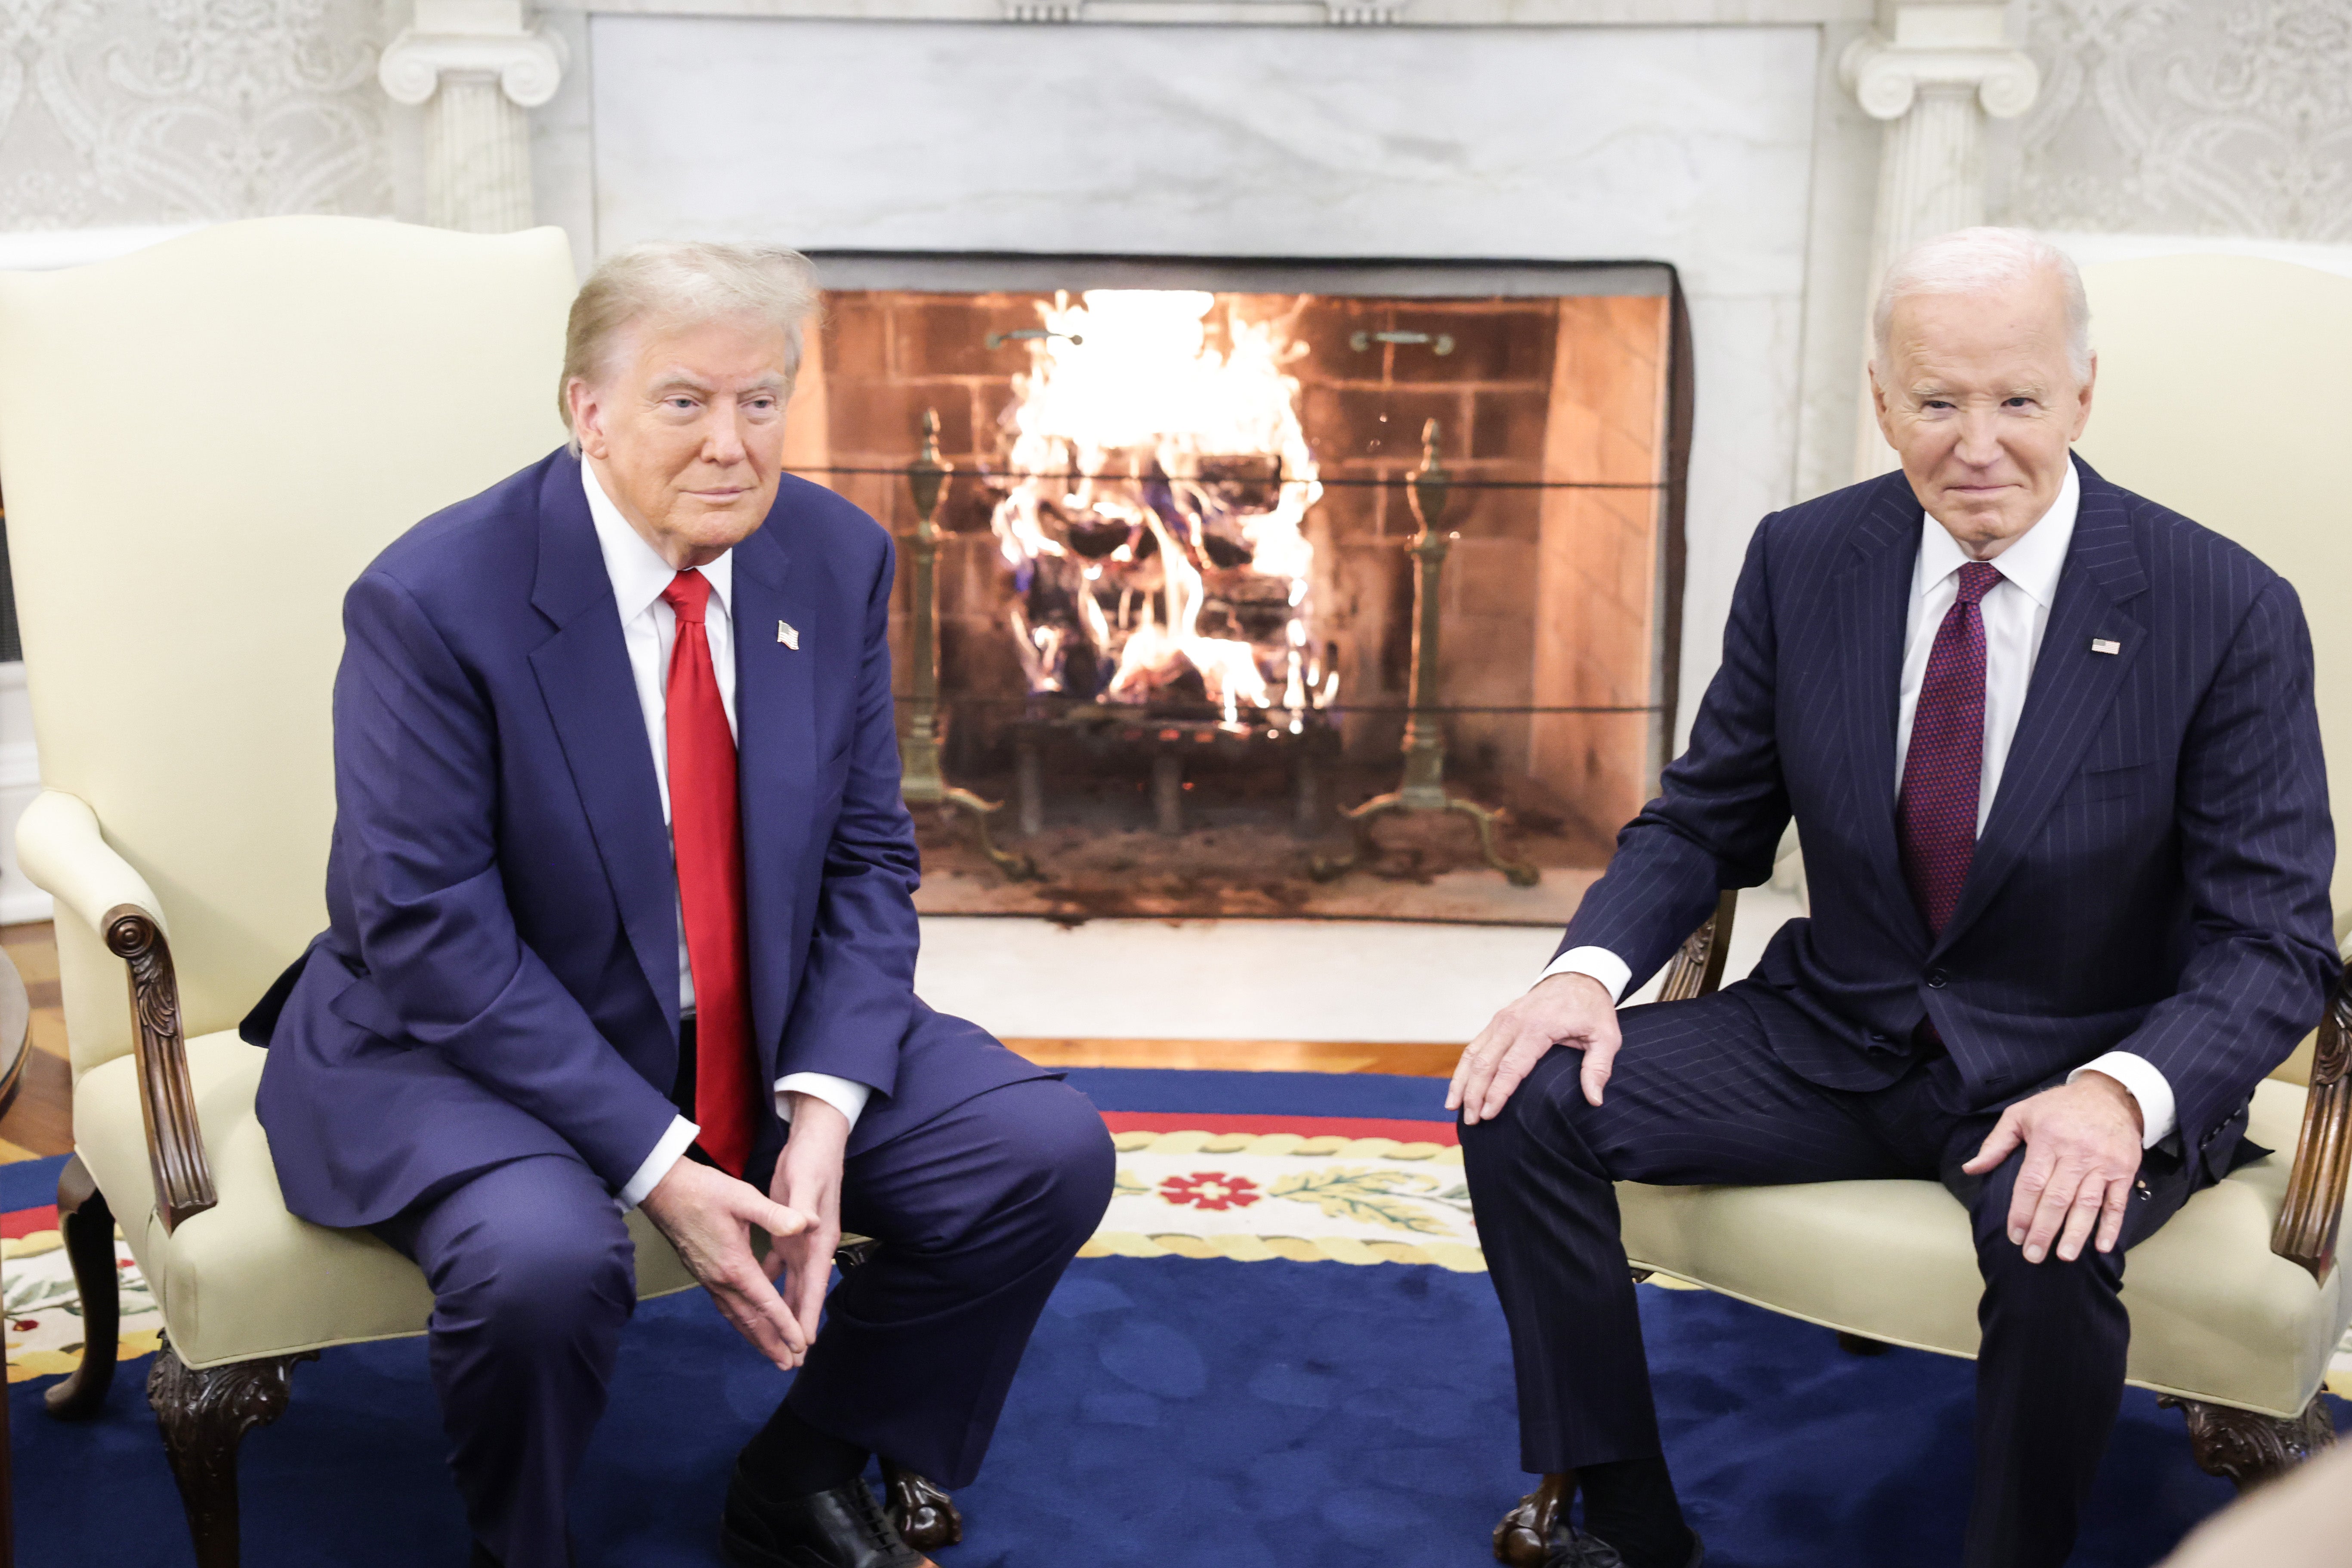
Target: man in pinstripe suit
<point x="2055" y="757"/>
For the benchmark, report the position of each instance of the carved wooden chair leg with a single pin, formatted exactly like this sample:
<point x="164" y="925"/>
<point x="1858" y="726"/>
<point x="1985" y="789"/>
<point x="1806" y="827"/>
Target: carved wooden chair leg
<point x="89" y="1228"/>
<point x="1856" y="1344"/>
<point x="204" y="1415"/>
<point x="2249" y="1448"/>
<point x="925" y="1516"/>
<point x="1529" y="1533"/>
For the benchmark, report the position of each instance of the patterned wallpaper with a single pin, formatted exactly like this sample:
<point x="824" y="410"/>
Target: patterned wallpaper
<point x="2229" y="117"/>
<point x="156" y="112"/>
<point x="2157" y="116"/>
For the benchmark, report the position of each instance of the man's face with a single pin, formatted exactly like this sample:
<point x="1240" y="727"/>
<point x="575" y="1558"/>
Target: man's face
<point x="686" y="433"/>
<point x="1982" y="405"/>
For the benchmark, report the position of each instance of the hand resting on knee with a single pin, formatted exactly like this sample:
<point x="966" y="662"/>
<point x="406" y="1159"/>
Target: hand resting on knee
<point x="1571" y="1010"/>
<point x="2081" y="1143"/>
<point x="707" y="1215"/>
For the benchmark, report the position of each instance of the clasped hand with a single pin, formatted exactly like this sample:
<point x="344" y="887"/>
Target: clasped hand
<point x="707" y="1215"/>
<point x="2081" y="1140"/>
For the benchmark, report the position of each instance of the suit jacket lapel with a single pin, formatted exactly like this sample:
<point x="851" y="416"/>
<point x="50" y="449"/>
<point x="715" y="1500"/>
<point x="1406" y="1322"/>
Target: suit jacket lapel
<point x="776" y="760"/>
<point x="1872" y="598"/>
<point x="584" y="673"/>
<point x="2072" y="690"/>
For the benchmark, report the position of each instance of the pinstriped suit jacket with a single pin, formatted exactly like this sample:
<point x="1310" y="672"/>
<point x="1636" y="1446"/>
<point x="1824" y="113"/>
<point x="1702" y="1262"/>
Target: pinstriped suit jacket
<point x="2153" y="874"/>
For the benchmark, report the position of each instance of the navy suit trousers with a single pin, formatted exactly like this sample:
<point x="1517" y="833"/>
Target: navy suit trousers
<point x="1697" y="1097"/>
<point x="979" y="1210"/>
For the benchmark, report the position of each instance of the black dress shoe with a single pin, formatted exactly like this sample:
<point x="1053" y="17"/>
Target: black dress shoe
<point x="1583" y="1551"/>
<point x="842" y="1527"/>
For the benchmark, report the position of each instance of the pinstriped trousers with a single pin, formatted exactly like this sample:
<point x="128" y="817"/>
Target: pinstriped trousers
<point x="1697" y="1097"/>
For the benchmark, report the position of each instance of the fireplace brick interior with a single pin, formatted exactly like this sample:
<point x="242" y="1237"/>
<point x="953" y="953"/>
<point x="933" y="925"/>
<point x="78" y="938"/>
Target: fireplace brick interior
<point x="1555" y="591"/>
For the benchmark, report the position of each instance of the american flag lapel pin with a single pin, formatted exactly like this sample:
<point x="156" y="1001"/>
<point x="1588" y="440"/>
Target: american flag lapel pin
<point x="2104" y="645"/>
<point x="792" y="640"/>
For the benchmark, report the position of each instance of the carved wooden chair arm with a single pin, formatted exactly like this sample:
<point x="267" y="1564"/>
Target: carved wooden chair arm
<point x="62" y="849"/>
<point x="2305" y="1232"/>
<point x="167" y="1097"/>
<point x="1696" y="968"/>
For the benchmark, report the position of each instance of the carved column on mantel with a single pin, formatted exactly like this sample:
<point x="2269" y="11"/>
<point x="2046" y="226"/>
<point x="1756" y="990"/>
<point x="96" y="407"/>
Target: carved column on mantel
<point x="476" y="65"/>
<point x="1933" y="70"/>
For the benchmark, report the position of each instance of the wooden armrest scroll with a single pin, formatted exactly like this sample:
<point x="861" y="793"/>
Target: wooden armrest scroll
<point x="167" y="1098"/>
<point x="1696" y="968"/>
<point x="2305" y="1232"/>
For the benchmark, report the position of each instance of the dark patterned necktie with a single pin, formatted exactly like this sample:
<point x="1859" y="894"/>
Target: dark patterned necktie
<point x="1944" y="770"/>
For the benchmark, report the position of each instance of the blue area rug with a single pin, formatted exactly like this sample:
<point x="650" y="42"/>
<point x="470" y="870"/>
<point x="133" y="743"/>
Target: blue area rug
<point x="1172" y="1414"/>
<point x="30" y="1184"/>
<point x="1382" y="1095"/>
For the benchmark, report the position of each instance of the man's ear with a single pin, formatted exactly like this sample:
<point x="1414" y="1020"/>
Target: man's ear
<point x="2082" y="405"/>
<point x="1878" y="402"/>
<point x="587" y="416"/>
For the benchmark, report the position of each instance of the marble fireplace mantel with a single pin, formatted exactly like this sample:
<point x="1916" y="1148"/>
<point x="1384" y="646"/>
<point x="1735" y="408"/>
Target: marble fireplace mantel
<point x="1267" y="12"/>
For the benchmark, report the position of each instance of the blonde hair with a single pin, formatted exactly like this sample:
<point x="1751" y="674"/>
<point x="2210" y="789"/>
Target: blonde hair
<point x="1968" y="260"/>
<point x="681" y="282"/>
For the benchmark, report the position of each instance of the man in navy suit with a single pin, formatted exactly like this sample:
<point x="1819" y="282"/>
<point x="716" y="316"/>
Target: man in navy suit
<point x="2054" y="758"/>
<point x="621" y="893"/>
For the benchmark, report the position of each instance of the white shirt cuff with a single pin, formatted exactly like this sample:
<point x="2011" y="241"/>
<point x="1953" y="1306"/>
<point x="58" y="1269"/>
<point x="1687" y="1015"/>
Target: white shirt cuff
<point x="2147" y="1084"/>
<point x="845" y="1095"/>
<point x="667" y="1152"/>
<point x="1602" y="964"/>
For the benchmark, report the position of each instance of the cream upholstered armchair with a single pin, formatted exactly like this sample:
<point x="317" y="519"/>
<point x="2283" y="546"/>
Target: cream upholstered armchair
<point x="2221" y="395"/>
<point x="204" y="443"/>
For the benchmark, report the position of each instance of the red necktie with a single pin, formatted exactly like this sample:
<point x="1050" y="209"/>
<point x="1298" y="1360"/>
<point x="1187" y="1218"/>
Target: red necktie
<point x="707" y="835"/>
<point x="1943" y="771"/>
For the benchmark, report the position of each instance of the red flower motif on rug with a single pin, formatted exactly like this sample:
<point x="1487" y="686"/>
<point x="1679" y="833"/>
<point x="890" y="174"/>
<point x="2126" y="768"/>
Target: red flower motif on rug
<point x="1211" y="1190"/>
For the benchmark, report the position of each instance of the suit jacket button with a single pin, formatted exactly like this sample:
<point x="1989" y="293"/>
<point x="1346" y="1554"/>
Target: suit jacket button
<point x="1935" y="978"/>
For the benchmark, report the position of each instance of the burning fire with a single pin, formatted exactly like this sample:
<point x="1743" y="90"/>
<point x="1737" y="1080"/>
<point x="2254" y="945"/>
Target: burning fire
<point x="1155" y="518"/>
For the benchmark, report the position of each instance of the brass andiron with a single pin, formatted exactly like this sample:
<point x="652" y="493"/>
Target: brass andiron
<point x="1424" y="736"/>
<point x="920" y="782"/>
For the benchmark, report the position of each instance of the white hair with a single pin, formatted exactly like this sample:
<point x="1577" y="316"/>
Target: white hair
<point x="682" y="283"/>
<point x="1970" y="260"/>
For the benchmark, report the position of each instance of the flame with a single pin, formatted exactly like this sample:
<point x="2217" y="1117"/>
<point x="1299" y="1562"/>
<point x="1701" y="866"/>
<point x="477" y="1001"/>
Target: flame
<point x="1136" y="458"/>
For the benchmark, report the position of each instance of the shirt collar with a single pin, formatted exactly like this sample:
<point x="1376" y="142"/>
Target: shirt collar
<point x="638" y="573"/>
<point x="2033" y="558"/>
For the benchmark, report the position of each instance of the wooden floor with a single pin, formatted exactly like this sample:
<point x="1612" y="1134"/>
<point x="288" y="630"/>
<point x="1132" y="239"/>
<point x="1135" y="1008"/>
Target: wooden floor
<point x="41" y="1122"/>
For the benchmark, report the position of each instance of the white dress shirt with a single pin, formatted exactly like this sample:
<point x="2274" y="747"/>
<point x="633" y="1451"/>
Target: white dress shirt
<point x="649" y="629"/>
<point x="2016" y="612"/>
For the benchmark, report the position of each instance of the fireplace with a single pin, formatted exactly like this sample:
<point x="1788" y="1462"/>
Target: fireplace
<point x="1175" y="596"/>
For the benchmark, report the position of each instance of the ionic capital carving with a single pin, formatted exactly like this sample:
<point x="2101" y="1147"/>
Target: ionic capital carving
<point x="528" y="66"/>
<point x="1886" y="78"/>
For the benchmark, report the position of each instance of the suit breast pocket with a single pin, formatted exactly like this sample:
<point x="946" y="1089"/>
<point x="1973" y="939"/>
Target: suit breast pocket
<point x="2118" y="782"/>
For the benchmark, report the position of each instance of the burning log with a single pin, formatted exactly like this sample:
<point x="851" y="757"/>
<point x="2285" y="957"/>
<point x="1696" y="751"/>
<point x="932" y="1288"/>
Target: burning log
<point x="1154" y="510"/>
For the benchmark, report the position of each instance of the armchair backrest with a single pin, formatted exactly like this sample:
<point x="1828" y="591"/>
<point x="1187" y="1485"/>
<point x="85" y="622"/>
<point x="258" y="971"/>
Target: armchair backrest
<point x="2221" y="393"/>
<point x="201" y="444"/>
